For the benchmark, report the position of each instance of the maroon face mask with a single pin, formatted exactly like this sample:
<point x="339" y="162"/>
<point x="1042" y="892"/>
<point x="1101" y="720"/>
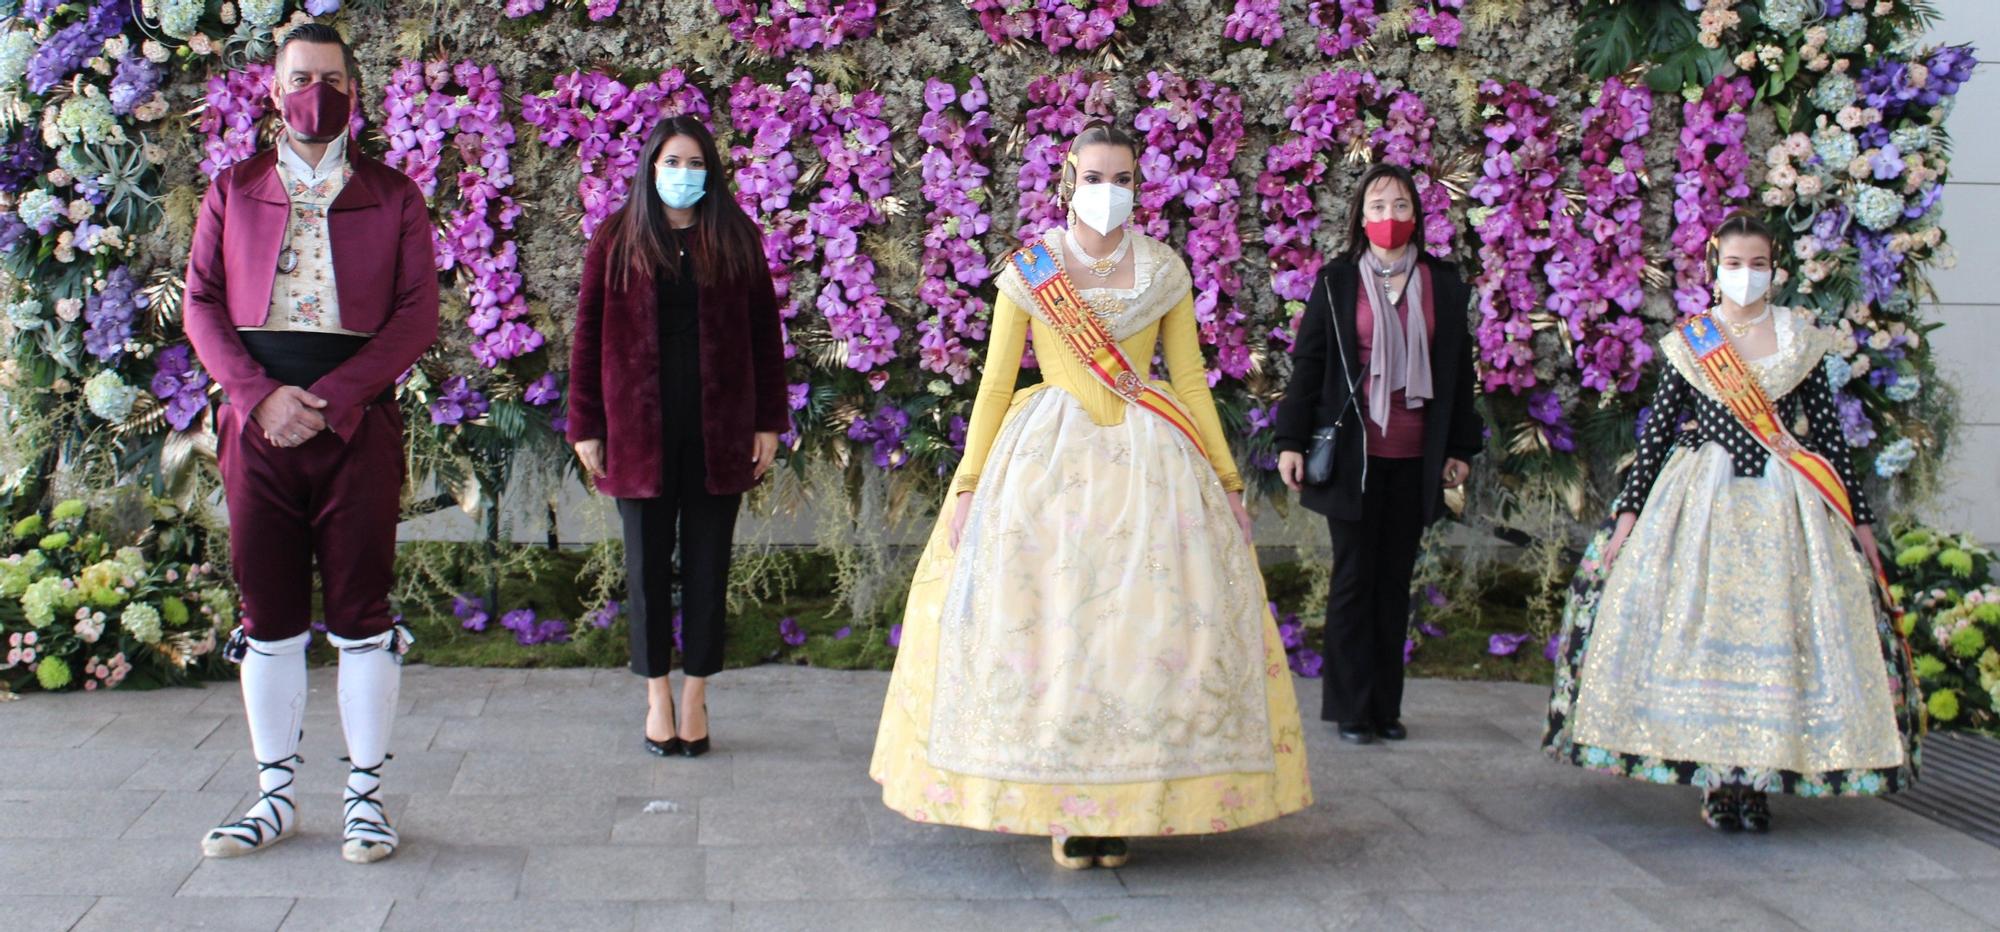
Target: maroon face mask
<point x="317" y="112"/>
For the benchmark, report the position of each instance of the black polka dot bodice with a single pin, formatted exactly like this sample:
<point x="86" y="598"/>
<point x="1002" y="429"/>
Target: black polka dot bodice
<point x="1683" y="415"/>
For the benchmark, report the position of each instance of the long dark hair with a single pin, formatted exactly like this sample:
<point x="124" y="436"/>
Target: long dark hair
<point x="726" y="244"/>
<point x="1357" y="240"/>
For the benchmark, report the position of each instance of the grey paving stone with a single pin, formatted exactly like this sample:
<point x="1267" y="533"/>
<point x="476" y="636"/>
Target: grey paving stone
<point x="42" y="913"/>
<point x="187" y="816"/>
<point x="546" y="734"/>
<point x="430" y="915"/>
<point x="1338" y="818"/>
<point x="1474" y="862"/>
<point x="1042" y="879"/>
<point x="96" y="867"/>
<point x="1436" y="812"/>
<point x="1223" y="865"/>
<point x="902" y="916"/>
<point x="600" y="873"/>
<point x="820" y="778"/>
<point x="1582" y="810"/>
<point x="1714" y="906"/>
<point x="682" y="917"/>
<point x="310" y="865"/>
<point x="24" y="725"/>
<point x="763" y="820"/>
<point x="1524" y="910"/>
<point x="1702" y="856"/>
<point x="817" y="872"/>
<point x="70" y="768"/>
<point x="508" y="820"/>
<point x="345" y="914"/>
<point x="667" y="828"/>
<point x="1364" y="912"/>
<point x="124" y="913"/>
<point x="1197" y="913"/>
<point x="173" y="732"/>
<point x="475" y="874"/>
<point x="177" y="770"/>
<point x="1975" y="898"/>
<point x="497" y="773"/>
<point x="1865" y="905"/>
<point x="58" y="814"/>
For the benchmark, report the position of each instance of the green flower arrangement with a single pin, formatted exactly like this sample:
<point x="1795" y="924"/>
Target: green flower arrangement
<point x="1952" y="620"/>
<point x="99" y="598"/>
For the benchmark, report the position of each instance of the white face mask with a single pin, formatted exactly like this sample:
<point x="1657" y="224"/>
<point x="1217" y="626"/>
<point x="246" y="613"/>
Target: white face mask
<point x="1745" y="285"/>
<point x="1103" y="207"/>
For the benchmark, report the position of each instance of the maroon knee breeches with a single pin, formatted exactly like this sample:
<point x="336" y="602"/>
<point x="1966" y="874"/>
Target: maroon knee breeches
<point x="326" y="501"/>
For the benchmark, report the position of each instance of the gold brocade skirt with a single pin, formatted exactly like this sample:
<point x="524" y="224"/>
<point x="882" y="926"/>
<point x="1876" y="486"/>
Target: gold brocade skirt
<point x="1097" y="658"/>
<point x="1737" y="639"/>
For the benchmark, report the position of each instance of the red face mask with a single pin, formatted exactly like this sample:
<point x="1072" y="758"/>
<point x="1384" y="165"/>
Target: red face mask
<point x="1390" y="234"/>
<point x="317" y="112"/>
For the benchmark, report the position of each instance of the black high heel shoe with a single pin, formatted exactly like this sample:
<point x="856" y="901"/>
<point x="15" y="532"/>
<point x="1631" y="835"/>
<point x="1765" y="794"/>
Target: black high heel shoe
<point x="672" y="747"/>
<point x="1719" y="810"/>
<point x="697" y="746"/>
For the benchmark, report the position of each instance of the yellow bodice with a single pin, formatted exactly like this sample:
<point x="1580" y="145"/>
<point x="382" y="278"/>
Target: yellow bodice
<point x="1176" y="334"/>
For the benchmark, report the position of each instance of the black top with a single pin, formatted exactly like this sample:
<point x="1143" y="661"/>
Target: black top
<point x="677" y="294"/>
<point x="676" y="302"/>
<point x="1326" y="360"/>
<point x="1670" y="426"/>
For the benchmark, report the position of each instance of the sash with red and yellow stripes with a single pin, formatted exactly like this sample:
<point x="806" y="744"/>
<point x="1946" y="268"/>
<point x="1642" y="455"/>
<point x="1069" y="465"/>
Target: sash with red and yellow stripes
<point x="1745" y="398"/>
<point x="1084" y="334"/>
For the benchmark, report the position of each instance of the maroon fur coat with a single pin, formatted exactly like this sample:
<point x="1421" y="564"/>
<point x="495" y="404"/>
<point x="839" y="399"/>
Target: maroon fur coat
<point x="614" y="376"/>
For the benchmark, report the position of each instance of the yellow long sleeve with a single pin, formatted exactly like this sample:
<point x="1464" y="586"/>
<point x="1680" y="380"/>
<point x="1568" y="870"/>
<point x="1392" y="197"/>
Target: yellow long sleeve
<point x="1180" y="343"/>
<point x="1005" y="342"/>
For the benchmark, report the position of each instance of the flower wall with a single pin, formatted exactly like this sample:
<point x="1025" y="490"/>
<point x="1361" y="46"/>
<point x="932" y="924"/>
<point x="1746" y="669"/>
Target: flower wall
<point x="895" y="156"/>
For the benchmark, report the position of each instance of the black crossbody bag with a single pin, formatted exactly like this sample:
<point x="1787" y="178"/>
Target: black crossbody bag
<point x="1325" y="448"/>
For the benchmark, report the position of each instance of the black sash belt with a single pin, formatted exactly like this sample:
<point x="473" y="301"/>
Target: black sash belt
<point x="302" y="359"/>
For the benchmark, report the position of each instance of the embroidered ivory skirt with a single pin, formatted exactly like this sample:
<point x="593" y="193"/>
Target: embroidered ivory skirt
<point x="1097" y="658"/>
<point x="1737" y="639"/>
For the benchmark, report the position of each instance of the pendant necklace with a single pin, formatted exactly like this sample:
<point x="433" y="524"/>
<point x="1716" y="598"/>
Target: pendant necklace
<point x="1102" y="268"/>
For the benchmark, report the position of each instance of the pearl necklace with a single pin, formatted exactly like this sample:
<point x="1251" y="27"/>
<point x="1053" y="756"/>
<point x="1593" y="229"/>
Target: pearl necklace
<point x="1102" y="268"/>
<point x="1736" y="329"/>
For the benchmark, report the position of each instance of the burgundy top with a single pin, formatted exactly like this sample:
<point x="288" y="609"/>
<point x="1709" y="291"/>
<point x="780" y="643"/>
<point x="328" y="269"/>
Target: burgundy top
<point x="1404" y="440"/>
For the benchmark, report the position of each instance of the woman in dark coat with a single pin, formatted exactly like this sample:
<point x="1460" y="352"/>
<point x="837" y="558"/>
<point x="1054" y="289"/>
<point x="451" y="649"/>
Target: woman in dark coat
<point x="677" y="398"/>
<point x="1399" y="415"/>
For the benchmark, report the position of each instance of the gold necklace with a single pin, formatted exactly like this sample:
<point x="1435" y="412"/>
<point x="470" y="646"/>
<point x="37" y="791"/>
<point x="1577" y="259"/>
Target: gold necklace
<point x="1736" y="329"/>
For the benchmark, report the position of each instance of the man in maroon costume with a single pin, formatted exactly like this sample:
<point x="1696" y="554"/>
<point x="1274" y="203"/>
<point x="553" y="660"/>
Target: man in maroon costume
<point x="311" y="287"/>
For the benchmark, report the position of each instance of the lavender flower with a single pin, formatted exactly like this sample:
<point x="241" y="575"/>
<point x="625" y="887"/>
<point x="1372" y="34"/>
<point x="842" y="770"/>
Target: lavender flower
<point x="1308" y="663"/>
<point x="22" y="162"/>
<point x="134" y="83"/>
<point x="789" y="630"/>
<point x="109" y="314"/>
<point x="542" y="391"/>
<point x="1504" y="645"/>
<point x="61" y="54"/>
<point x="458" y="403"/>
<point x="179" y="382"/>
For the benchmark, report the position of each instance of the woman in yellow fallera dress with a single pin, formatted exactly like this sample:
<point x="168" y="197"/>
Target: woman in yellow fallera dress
<point x="1087" y="652"/>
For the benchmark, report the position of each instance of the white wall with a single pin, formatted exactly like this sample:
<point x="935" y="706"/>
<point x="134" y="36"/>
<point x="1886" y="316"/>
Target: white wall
<point x="1969" y="294"/>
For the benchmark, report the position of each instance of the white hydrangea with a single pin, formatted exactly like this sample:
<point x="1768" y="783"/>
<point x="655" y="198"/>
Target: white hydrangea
<point x="40" y="210"/>
<point x="180" y="18"/>
<point x="142" y="621"/>
<point x="108" y="396"/>
<point x="17" y="47"/>
<point x="87" y="118"/>
<point x="262" y="13"/>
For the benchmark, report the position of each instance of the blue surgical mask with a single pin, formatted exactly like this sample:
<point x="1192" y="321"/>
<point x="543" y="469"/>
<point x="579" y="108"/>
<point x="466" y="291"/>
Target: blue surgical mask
<point x="680" y="188"/>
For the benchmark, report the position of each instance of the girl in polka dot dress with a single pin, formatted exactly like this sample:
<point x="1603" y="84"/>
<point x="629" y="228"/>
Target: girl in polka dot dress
<point x="1726" y="632"/>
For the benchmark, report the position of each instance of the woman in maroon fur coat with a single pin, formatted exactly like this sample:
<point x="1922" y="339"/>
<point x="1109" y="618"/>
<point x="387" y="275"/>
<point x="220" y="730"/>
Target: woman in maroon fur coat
<point x="677" y="397"/>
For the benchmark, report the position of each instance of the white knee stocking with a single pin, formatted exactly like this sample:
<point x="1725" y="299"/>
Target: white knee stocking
<point x="274" y="702"/>
<point x="371" y="673"/>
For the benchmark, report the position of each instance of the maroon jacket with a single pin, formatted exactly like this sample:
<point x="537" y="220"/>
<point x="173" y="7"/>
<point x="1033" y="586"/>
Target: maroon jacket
<point x="384" y="262"/>
<point x="614" y="376"/>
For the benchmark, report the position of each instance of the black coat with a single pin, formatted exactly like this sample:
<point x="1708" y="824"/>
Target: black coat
<point x="1318" y="389"/>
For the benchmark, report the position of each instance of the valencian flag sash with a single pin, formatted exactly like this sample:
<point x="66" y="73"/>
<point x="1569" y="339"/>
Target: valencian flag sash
<point x="1086" y="337"/>
<point x="1740" y="391"/>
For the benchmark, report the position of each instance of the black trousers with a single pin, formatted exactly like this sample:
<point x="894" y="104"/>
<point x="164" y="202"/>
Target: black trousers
<point x="704" y="525"/>
<point x="1368" y="602"/>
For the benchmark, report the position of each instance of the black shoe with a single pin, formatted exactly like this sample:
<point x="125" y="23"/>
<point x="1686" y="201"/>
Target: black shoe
<point x="1394" y="731"/>
<point x="1718" y="810"/>
<point x="672" y="747"/>
<point x="1754" y="811"/>
<point x="1357" y="734"/>
<point x="696" y="747"/>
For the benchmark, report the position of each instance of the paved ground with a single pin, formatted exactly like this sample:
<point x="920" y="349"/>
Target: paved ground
<point x="524" y="802"/>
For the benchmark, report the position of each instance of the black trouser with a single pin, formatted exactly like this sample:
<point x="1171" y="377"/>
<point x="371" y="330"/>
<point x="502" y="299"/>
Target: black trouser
<point x="706" y="526"/>
<point x="1368" y="602"/>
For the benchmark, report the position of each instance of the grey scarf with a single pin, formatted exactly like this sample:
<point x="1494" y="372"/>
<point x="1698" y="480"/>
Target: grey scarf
<point x="1400" y="355"/>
